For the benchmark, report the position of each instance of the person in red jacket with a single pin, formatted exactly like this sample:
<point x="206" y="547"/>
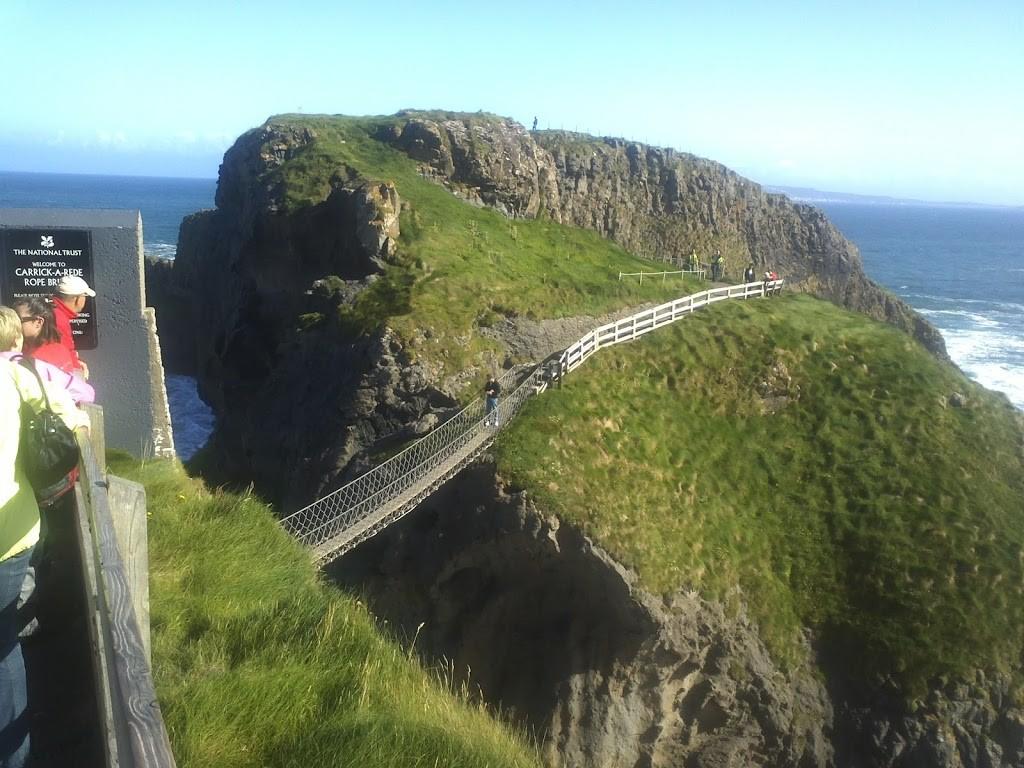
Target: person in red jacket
<point x="42" y="340"/>
<point x="72" y="292"/>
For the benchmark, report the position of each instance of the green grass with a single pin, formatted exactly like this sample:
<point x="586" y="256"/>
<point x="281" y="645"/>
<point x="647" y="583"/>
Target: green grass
<point x="862" y="508"/>
<point x="460" y="266"/>
<point x="257" y="663"/>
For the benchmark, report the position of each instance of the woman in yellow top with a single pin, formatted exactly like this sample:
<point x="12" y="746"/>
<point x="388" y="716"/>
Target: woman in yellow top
<point x="19" y="531"/>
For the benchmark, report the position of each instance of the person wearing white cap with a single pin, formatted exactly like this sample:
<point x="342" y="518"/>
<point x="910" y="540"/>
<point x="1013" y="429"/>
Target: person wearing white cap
<point x="72" y="292"/>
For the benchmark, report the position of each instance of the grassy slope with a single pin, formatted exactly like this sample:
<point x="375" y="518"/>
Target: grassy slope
<point x="259" y="664"/>
<point x="466" y="264"/>
<point x="863" y="508"/>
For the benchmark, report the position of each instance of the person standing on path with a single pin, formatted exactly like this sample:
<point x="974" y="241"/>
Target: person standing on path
<point x="748" y="274"/>
<point x="72" y="292"/>
<point x="717" y="264"/>
<point x="492" y="389"/>
<point x="19" y="532"/>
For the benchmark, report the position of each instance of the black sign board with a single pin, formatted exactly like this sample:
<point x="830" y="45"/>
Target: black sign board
<point x="34" y="260"/>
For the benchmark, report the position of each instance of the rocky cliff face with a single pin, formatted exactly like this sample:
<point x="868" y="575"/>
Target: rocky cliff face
<point x="295" y="403"/>
<point x="658" y="203"/>
<point x="561" y="636"/>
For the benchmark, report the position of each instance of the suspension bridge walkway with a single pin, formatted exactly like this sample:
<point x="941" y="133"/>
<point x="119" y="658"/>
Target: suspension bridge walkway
<point x="333" y="525"/>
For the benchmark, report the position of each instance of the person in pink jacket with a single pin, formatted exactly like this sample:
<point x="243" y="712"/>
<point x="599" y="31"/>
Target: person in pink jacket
<point x="11" y="344"/>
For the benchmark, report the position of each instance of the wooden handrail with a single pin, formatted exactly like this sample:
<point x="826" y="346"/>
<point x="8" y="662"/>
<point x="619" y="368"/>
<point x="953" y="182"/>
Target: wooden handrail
<point x="130" y="715"/>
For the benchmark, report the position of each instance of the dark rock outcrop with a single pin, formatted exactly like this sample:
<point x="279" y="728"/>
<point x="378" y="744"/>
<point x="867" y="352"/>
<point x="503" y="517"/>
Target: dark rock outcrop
<point x="294" y="403"/>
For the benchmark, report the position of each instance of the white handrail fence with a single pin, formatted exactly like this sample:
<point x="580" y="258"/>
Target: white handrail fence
<point x="637" y="325"/>
<point x="342" y="519"/>
<point x="699" y="273"/>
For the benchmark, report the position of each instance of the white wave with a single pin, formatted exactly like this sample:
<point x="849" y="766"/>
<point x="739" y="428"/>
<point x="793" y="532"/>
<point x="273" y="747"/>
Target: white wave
<point x="980" y="320"/>
<point x="161" y="250"/>
<point x="984" y="344"/>
<point x="1002" y="378"/>
<point x="995" y="360"/>
<point x="1006" y="306"/>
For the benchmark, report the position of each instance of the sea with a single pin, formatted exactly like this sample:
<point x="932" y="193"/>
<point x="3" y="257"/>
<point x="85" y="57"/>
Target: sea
<point x="961" y="266"/>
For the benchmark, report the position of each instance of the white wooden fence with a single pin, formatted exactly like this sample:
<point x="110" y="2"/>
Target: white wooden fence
<point x="698" y="273"/>
<point x="637" y="325"/>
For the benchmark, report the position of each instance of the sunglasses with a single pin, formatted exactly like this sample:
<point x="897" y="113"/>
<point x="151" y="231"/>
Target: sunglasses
<point x="30" y="318"/>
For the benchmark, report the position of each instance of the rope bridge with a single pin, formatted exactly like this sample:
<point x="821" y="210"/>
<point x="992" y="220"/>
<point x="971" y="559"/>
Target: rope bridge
<point x="361" y="508"/>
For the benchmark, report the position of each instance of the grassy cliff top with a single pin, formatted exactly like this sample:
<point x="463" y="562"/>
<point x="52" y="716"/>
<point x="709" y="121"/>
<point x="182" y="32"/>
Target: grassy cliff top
<point x="461" y="266"/>
<point x="808" y="456"/>
<point x="257" y="663"/>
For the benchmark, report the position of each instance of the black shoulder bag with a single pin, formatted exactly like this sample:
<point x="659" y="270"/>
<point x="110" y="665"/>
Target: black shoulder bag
<point x="47" y="450"/>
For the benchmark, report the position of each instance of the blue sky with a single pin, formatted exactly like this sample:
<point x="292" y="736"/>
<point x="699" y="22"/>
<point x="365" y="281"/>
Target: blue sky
<point x="911" y="99"/>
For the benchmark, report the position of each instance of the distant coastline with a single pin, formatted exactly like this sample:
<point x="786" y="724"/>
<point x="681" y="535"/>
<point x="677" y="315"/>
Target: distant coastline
<point x="810" y="195"/>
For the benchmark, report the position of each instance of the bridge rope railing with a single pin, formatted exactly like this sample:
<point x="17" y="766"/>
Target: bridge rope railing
<point x="360" y="500"/>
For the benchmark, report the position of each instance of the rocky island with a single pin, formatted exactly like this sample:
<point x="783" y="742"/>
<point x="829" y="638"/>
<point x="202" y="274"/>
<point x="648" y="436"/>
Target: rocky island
<point x="785" y="532"/>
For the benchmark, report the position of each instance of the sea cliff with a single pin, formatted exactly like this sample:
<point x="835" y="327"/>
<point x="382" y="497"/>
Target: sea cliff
<point x="361" y="276"/>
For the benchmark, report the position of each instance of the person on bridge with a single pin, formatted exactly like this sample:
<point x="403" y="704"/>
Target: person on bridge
<point x="492" y="389"/>
<point x="69" y="303"/>
<point x="748" y="274"/>
<point x="19" y="532"/>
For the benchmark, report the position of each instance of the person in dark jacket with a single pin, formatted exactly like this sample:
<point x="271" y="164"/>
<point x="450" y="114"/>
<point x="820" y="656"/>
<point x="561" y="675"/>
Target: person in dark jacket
<point x="491" y="391"/>
<point x="717" y="266"/>
<point x="748" y="274"/>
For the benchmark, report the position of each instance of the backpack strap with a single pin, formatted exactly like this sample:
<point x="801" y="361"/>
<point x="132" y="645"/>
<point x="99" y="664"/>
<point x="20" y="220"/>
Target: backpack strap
<point x="27" y="362"/>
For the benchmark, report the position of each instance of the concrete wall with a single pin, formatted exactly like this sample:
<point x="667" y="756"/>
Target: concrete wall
<point x="125" y="367"/>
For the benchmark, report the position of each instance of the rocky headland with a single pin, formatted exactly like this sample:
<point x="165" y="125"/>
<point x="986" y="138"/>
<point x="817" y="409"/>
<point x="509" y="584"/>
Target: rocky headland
<point x="248" y="270"/>
<point x="275" y="303"/>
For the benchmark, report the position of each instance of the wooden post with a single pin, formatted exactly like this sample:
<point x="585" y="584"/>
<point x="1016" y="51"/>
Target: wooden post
<point x="134" y="733"/>
<point x="100" y="647"/>
<point x="128" y="511"/>
<point x="97" y="434"/>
